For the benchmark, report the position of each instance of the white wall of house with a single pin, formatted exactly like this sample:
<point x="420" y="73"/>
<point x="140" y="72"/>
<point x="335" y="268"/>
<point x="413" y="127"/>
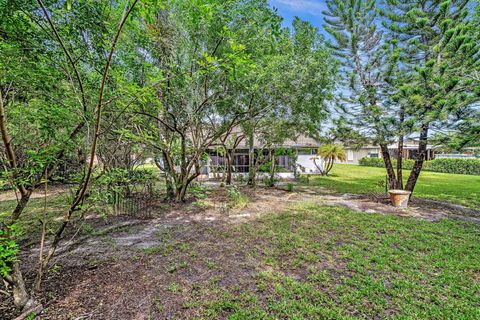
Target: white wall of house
<point x="306" y="162"/>
<point x="354" y="156"/>
<point x="260" y="175"/>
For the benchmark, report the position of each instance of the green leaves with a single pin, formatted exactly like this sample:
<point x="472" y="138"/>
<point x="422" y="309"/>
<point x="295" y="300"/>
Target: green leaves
<point x="8" y="247"/>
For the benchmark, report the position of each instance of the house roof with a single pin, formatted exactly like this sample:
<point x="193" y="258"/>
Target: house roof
<point x="408" y="144"/>
<point x="302" y="141"/>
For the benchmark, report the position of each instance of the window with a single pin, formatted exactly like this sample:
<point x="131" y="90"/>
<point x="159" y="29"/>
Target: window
<point x="373" y="155"/>
<point x="350" y="155"/>
<point x="240" y="163"/>
<point x="306" y="151"/>
<point x="284" y="163"/>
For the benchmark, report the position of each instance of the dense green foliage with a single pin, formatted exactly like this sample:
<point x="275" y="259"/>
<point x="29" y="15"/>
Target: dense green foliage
<point x="410" y="70"/>
<point x="8" y="248"/>
<point x="446" y="165"/>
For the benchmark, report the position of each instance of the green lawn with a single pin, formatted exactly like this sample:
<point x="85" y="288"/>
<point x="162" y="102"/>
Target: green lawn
<point x="455" y="188"/>
<point x="332" y="263"/>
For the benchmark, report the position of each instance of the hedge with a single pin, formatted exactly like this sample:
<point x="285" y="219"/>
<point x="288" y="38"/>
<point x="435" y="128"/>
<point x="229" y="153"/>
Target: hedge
<point x="445" y="165"/>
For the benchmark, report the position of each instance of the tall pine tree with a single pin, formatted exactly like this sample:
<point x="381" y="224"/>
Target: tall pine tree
<point x="438" y="54"/>
<point x="368" y="68"/>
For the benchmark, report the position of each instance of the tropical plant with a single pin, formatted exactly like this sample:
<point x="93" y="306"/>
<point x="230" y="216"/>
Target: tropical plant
<point x="327" y="155"/>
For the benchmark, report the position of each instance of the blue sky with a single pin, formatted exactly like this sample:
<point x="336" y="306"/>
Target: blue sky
<point x="310" y="10"/>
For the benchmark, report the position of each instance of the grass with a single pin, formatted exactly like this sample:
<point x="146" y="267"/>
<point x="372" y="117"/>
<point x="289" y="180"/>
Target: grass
<point x="30" y="219"/>
<point x="332" y="263"/>
<point x="455" y="188"/>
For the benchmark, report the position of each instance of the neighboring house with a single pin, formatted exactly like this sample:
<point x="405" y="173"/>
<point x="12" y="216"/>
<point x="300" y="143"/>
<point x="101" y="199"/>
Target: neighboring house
<point x="468" y="153"/>
<point x="370" y="151"/>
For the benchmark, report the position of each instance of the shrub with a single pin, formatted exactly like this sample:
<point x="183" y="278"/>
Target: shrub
<point x="198" y="190"/>
<point x="270" y="181"/>
<point x="8" y="248"/>
<point x="450" y="165"/>
<point x="236" y="198"/>
<point x="445" y="165"/>
<point x="304" y="179"/>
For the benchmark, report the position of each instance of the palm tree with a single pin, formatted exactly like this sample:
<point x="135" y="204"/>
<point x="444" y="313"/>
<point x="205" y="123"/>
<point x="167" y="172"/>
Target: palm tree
<point x="328" y="154"/>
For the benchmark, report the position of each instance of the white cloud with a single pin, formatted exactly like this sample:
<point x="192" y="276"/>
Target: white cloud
<point x="304" y="6"/>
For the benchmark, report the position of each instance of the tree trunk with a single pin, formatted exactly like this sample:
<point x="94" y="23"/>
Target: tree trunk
<point x="329" y="165"/>
<point x="400" y="163"/>
<point x="180" y="192"/>
<point x="168" y="170"/>
<point x="272" y="169"/>
<point x="400" y="149"/>
<point x="21" y="205"/>
<point x="228" y="164"/>
<point x="321" y="166"/>
<point x="20" y="295"/>
<point x="420" y="158"/>
<point x="170" y="189"/>
<point x="251" y="159"/>
<point x="392" y="181"/>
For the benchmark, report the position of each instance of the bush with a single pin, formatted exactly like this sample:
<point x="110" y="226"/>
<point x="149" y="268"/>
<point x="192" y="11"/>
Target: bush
<point x="304" y="179"/>
<point x="236" y="198"/>
<point x="8" y="248"/>
<point x="445" y="165"/>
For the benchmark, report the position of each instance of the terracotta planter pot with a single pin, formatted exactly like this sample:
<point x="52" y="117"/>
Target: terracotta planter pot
<point x="399" y="198"/>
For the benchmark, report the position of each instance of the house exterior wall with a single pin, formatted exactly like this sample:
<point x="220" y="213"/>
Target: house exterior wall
<point x="354" y="156"/>
<point x="306" y="165"/>
<point x="259" y="175"/>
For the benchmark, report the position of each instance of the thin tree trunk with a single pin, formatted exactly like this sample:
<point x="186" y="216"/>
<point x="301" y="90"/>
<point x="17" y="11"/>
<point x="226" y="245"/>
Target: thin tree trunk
<point x="420" y="158"/>
<point x="80" y="194"/>
<point x="169" y="173"/>
<point x="401" y="138"/>
<point x="272" y="169"/>
<point x="329" y="165"/>
<point x="20" y="294"/>
<point x="228" y="164"/>
<point x="392" y="181"/>
<point x="12" y="161"/>
<point x="251" y="159"/>
<point x="21" y="205"/>
<point x="400" y="163"/>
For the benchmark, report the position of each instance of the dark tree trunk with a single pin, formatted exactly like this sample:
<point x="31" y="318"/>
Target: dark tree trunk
<point x="400" y="150"/>
<point x="392" y="181"/>
<point x="329" y="165"/>
<point x="22" y="204"/>
<point x="181" y="192"/>
<point x="272" y="169"/>
<point x="420" y="159"/>
<point x="184" y="180"/>
<point x="166" y="167"/>
<point x="228" y="164"/>
<point x="400" y="163"/>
